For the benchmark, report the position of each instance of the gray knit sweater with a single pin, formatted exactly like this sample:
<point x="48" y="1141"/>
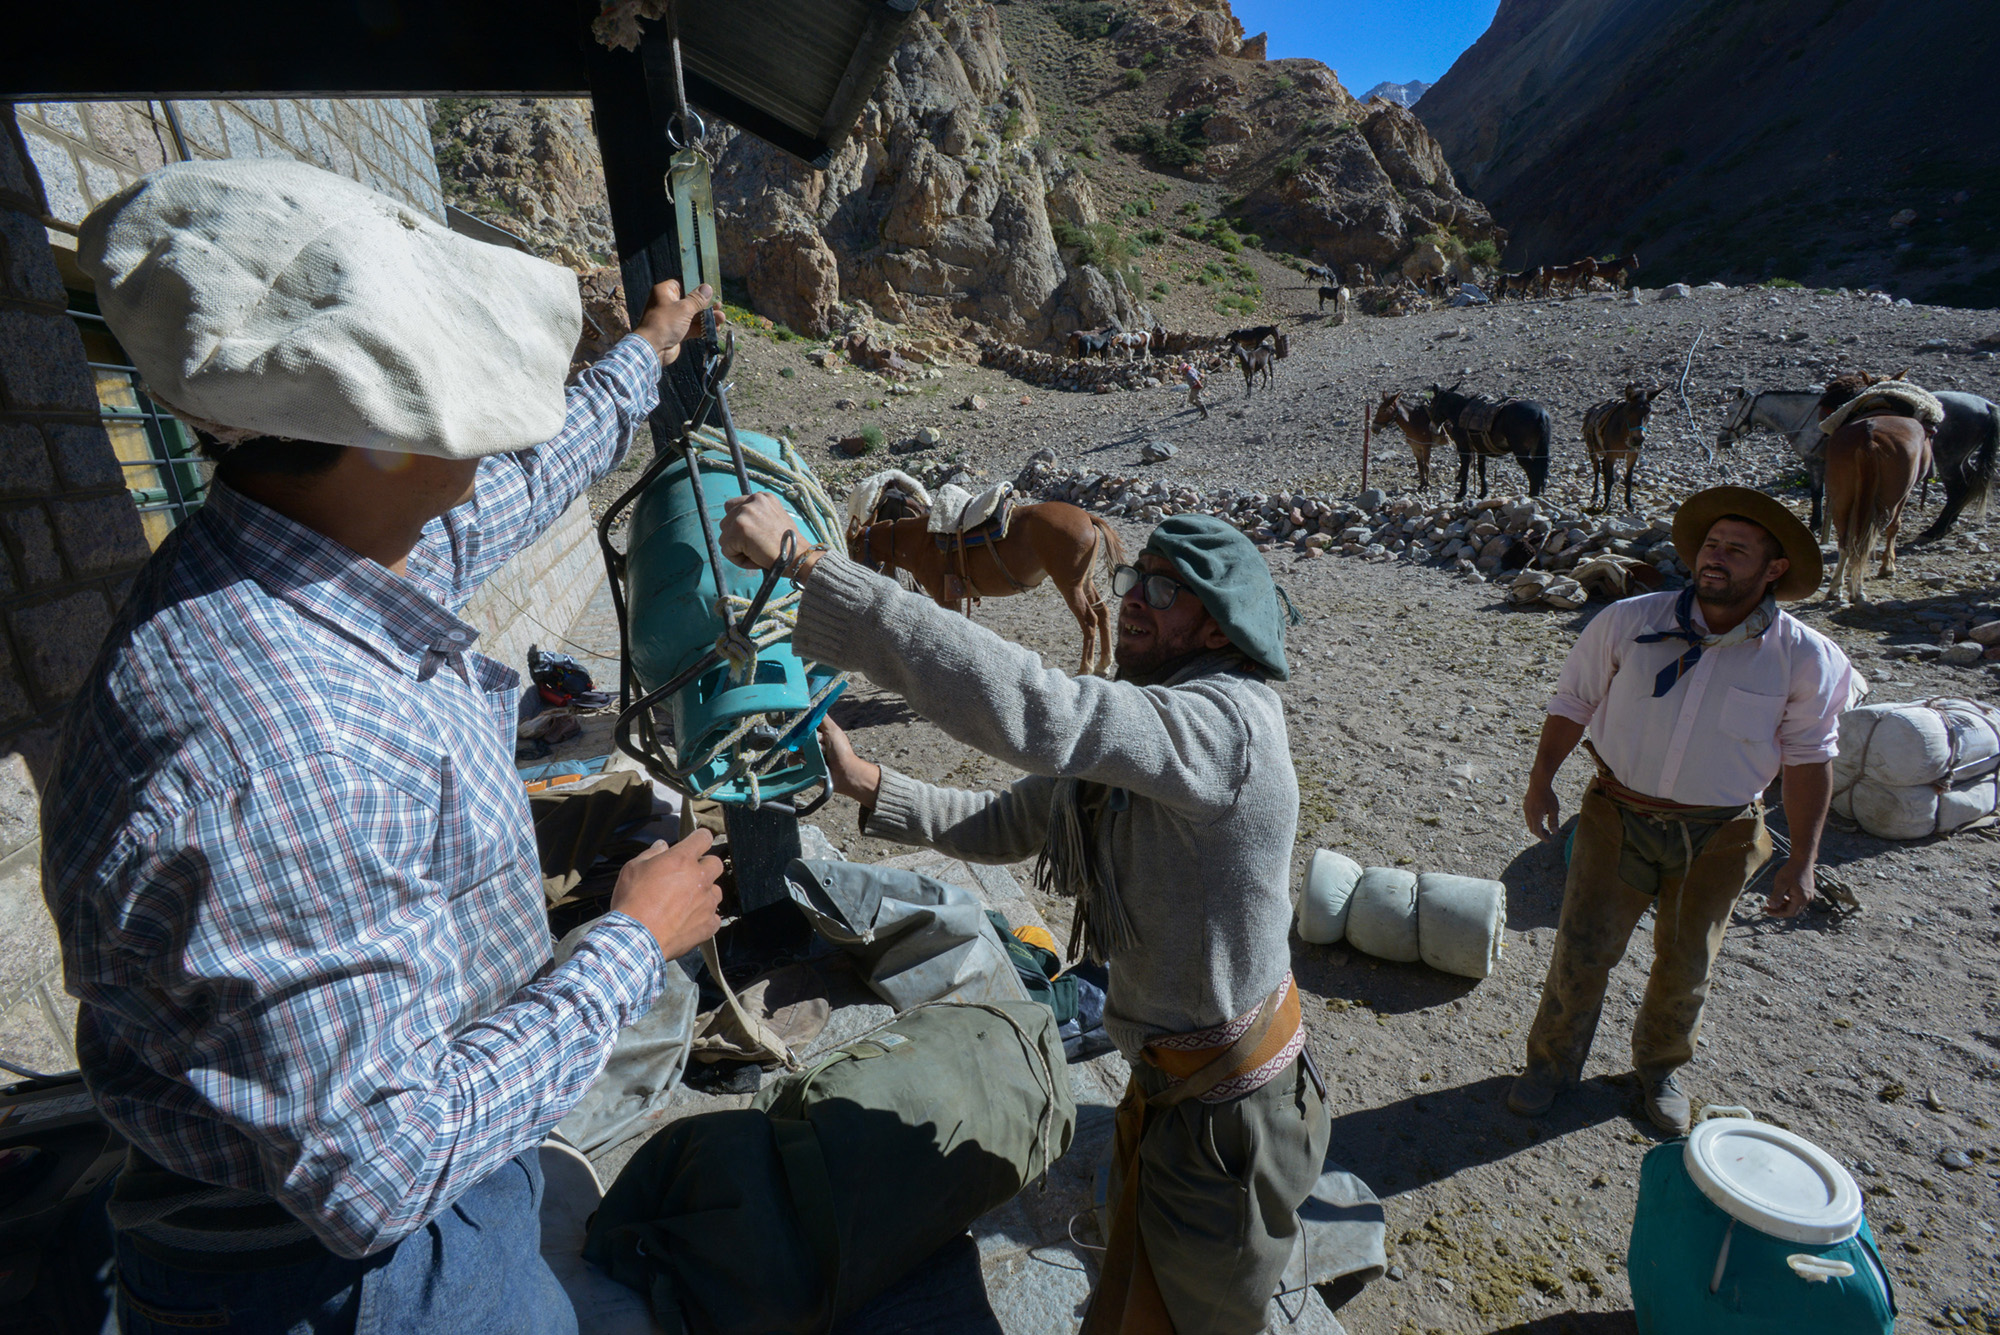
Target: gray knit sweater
<point x="1202" y="847"/>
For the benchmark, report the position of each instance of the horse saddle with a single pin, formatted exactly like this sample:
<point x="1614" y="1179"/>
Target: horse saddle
<point x="1898" y="396"/>
<point x="1476" y="420"/>
<point x="966" y="520"/>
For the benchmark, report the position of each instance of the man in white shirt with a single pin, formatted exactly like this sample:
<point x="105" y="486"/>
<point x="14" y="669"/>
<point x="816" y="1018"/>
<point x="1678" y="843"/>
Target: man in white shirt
<point x="1694" y="701"/>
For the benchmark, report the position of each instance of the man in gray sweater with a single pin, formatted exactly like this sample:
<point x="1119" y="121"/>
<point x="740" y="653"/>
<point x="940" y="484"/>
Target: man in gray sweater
<point x="1166" y="802"/>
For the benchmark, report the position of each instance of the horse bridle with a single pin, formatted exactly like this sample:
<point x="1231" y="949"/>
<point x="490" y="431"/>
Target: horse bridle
<point x="868" y="549"/>
<point x="1740" y="421"/>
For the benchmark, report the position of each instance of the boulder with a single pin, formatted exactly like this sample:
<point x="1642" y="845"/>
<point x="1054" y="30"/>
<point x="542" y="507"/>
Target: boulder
<point x="1157" y="452"/>
<point x="1675" y="292"/>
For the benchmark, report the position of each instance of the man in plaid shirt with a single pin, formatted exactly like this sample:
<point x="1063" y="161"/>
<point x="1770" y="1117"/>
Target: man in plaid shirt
<point x="286" y="849"/>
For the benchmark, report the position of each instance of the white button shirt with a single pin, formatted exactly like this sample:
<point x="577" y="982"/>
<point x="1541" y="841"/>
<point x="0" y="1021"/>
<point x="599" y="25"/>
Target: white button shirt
<point x="1720" y="736"/>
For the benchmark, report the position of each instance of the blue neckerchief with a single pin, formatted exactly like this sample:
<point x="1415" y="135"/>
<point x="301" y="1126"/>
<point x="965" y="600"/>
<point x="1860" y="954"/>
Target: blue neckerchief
<point x="1750" y="628"/>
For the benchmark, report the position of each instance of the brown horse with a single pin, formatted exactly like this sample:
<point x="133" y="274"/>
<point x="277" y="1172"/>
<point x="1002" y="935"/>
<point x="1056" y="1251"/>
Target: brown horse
<point x="1614" y="431"/>
<point x="1417" y="428"/>
<point x="1048" y="540"/>
<point x="1874" y="461"/>
<point x="1569" y="275"/>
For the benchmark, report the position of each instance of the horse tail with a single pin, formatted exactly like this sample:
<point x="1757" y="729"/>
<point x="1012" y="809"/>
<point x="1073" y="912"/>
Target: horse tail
<point x="1111" y="549"/>
<point x="1861" y="526"/>
<point x="1536" y="463"/>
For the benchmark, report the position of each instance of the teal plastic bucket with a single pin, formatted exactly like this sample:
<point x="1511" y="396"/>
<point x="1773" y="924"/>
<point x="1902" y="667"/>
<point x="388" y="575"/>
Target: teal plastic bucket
<point x="672" y="620"/>
<point x="1697" y="1269"/>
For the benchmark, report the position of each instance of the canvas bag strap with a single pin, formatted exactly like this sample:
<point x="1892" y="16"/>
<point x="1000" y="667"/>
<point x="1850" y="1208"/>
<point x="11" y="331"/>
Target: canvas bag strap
<point x="812" y="1196"/>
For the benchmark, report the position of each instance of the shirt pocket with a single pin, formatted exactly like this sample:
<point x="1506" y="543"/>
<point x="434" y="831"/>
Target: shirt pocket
<point x="1750" y="717"/>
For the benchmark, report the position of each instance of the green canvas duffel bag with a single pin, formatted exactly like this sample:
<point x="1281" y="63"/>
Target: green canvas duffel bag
<point x="843" y="1177"/>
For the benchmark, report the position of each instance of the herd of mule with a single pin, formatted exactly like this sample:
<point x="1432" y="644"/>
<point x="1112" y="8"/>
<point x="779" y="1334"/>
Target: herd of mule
<point x="1868" y="443"/>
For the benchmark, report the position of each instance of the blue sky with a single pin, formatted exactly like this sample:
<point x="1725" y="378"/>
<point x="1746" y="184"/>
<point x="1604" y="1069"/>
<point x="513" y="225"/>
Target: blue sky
<point x="1369" y="41"/>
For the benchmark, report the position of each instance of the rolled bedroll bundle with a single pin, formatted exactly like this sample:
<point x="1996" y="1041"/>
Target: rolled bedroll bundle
<point x="843" y="1177"/>
<point x="1917" y="768"/>
<point x="1455" y="924"/>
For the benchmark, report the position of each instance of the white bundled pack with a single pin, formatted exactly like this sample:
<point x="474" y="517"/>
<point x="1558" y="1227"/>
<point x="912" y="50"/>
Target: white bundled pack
<point x="1917" y="768"/>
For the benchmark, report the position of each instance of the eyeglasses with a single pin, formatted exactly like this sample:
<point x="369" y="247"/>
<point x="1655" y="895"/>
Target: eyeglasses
<point x="1159" y="591"/>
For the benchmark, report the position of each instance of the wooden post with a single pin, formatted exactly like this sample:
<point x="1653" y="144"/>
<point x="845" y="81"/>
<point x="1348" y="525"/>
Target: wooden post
<point x="1367" y="432"/>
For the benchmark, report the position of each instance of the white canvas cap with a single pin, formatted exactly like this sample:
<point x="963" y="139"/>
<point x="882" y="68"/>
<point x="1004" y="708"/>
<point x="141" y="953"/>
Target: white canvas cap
<point x="275" y="299"/>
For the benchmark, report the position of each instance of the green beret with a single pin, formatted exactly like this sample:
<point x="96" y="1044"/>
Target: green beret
<point x="1228" y="574"/>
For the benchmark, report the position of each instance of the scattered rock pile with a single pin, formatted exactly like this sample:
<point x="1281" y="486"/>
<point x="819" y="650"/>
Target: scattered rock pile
<point x="1546" y="554"/>
<point x="1042" y="368"/>
<point x="1967" y="636"/>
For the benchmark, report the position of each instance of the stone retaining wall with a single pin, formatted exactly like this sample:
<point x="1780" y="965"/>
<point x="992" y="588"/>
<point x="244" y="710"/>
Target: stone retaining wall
<point x="536" y="596"/>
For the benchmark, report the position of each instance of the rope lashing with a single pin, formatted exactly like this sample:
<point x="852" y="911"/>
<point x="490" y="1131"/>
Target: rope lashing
<point x="788" y="477"/>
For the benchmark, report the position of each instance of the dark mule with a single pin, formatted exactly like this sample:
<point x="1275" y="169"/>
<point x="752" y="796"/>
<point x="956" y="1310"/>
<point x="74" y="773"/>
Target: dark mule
<point x="1091" y="343"/>
<point x="1616" y="430"/>
<point x="1481" y="428"/>
<point x="1254" y="361"/>
<point x="1570" y="276"/>
<point x="1317" y="274"/>
<point x="1619" y="271"/>
<point x="1963" y="452"/>
<point x="1251" y="337"/>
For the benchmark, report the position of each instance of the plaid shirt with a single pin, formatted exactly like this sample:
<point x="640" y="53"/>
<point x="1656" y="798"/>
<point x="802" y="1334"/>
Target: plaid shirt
<point x="293" y="869"/>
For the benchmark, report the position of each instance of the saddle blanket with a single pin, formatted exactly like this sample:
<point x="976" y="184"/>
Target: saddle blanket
<point x="1917" y="401"/>
<point x="867" y="494"/>
<point x="956" y="510"/>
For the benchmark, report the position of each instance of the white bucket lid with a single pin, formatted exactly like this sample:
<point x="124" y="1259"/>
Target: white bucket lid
<point x="1774" y="1181"/>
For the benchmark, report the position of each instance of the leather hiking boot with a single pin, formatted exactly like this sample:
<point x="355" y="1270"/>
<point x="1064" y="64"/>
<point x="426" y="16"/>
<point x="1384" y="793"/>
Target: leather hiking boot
<point x="1666" y="1105"/>
<point x="1531" y="1095"/>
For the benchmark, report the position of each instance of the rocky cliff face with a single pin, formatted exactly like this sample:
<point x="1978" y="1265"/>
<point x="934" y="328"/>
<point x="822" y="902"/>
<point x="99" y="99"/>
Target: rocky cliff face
<point x="1367" y="193"/>
<point x="1831" y="141"/>
<point x="530" y="167"/>
<point x="940" y="212"/>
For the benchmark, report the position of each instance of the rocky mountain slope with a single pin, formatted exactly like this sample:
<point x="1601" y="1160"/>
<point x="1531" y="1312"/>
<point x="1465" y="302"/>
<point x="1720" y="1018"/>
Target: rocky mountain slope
<point x="1033" y="167"/>
<point x="1023" y="170"/>
<point x="1835" y="142"/>
<point x="1402" y="94"/>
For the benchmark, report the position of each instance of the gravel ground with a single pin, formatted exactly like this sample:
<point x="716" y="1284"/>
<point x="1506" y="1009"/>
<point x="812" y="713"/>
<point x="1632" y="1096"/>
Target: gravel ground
<point x="1413" y="710"/>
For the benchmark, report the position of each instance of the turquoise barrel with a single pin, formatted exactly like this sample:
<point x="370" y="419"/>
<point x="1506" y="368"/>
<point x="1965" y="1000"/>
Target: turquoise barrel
<point x="1698" y="1268"/>
<point x="672" y="619"/>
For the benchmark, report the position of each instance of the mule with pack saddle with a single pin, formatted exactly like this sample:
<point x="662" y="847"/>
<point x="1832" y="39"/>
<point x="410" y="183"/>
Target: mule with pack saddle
<point x="991" y="545"/>
<point x="1965" y="452"/>
<point x="1483" y="429"/>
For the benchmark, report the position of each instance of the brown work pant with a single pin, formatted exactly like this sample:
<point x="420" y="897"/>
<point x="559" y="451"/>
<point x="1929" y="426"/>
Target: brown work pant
<point x="1623" y="862"/>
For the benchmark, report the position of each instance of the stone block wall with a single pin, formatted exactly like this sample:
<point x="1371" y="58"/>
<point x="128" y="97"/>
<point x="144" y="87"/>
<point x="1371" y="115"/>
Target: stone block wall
<point x="88" y="151"/>
<point x="69" y="545"/>
<point x="536" y="597"/>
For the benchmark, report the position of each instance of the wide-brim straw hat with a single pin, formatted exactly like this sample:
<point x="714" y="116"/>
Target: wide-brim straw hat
<point x="1699" y="512"/>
